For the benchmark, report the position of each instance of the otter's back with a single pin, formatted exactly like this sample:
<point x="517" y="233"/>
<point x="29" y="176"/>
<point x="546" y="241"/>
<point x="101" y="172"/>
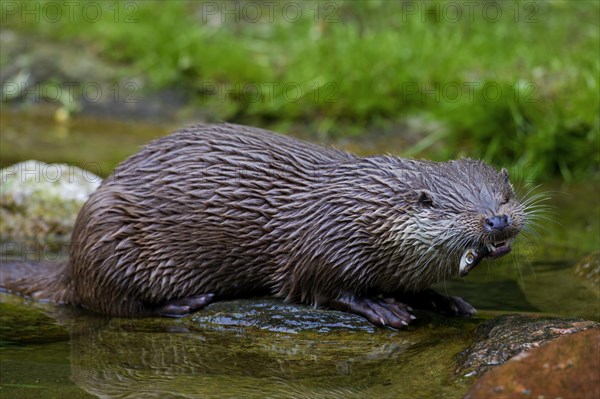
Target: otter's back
<point x="191" y="213"/>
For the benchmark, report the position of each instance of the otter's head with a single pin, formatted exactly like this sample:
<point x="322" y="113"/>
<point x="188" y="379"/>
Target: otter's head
<point x="465" y="211"/>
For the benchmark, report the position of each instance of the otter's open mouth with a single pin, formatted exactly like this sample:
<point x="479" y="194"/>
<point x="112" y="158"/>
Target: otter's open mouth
<point x="472" y="256"/>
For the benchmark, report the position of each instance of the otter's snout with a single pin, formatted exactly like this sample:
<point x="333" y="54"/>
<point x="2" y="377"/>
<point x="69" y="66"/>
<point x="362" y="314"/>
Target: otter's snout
<point x="496" y="222"/>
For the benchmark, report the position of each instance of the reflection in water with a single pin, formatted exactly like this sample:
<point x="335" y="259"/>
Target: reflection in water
<point x="132" y="358"/>
<point x="115" y="360"/>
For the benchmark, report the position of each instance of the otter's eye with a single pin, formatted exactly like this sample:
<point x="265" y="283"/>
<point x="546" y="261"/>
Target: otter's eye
<point x="504" y="200"/>
<point x="425" y="198"/>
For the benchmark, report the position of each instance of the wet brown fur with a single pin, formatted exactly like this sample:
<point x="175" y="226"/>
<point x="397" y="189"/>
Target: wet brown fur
<point x="239" y="211"/>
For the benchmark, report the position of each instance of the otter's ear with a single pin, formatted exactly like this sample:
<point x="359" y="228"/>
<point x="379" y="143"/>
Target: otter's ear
<point x="425" y="198"/>
<point x="504" y="175"/>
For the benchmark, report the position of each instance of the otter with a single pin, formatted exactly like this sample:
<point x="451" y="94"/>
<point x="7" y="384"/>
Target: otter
<point x="214" y="212"/>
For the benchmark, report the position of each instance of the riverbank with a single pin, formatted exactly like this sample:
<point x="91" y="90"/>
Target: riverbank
<point x="518" y="87"/>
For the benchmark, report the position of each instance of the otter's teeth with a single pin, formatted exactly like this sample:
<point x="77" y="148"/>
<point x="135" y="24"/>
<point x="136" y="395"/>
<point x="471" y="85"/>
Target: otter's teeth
<point x="492" y="247"/>
<point x="498" y="248"/>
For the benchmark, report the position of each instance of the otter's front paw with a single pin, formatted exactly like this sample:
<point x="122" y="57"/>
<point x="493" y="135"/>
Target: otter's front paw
<point x="382" y="312"/>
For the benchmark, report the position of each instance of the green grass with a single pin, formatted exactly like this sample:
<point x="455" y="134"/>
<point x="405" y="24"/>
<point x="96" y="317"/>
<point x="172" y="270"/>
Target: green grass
<point x="374" y="64"/>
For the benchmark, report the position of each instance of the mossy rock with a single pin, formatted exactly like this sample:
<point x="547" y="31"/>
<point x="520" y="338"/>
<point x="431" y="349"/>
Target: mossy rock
<point x="39" y="201"/>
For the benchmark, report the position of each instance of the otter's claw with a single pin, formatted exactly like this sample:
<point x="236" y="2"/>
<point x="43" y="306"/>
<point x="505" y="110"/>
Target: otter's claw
<point x="382" y="312"/>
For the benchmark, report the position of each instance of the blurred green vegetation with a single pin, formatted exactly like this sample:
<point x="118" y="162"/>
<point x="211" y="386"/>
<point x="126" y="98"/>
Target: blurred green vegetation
<point x="515" y="83"/>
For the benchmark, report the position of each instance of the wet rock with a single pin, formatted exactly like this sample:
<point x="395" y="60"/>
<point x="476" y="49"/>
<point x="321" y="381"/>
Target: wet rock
<point x="567" y="367"/>
<point x="503" y="337"/>
<point x="588" y="268"/>
<point x="274" y="315"/>
<point x="40" y="201"/>
<point x="21" y="325"/>
<point x="277" y="316"/>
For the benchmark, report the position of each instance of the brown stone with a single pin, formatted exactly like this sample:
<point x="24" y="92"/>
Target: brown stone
<point x="568" y="367"/>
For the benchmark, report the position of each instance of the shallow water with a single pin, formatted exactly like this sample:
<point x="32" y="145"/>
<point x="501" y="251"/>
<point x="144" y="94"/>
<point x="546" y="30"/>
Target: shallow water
<point x="58" y="353"/>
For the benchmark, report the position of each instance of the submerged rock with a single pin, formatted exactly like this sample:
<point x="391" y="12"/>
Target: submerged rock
<point x="503" y="337"/>
<point x="567" y="367"/>
<point x="40" y="201"/>
<point x="589" y="269"/>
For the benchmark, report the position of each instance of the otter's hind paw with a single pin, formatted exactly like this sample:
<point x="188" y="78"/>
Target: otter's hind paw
<point x="183" y="306"/>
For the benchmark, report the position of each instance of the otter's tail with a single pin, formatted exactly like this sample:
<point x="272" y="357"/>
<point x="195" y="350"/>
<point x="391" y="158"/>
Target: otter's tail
<point x="38" y="280"/>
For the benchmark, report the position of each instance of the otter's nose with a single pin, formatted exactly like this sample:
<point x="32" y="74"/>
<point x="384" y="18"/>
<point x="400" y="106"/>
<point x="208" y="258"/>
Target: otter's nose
<point x="497" y="222"/>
